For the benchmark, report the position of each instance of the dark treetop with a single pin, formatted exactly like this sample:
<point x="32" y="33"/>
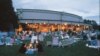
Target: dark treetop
<point x="8" y="18"/>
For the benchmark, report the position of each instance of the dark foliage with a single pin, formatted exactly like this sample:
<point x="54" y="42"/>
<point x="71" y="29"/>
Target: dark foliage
<point x="98" y="37"/>
<point x="92" y="22"/>
<point x="96" y="27"/>
<point x="8" y="18"/>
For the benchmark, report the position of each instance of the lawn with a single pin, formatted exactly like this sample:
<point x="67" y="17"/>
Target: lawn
<point x="77" y="49"/>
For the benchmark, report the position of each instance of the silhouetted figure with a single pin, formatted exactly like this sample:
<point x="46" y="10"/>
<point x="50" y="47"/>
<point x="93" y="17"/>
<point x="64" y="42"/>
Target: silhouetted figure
<point x="40" y="47"/>
<point x="22" y="48"/>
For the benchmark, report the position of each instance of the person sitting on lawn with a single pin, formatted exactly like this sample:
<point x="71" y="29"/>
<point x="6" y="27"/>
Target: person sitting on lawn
<point x="55" y="41"/>
<point x="8" y="41"/>
<point x="34" y="37"/>
<point x="1" y="43"/>
<point x="3" y="39"/>
<point x="30" y="50"/>
<point x="23" y="48"/>
<point x="39" y="46"/>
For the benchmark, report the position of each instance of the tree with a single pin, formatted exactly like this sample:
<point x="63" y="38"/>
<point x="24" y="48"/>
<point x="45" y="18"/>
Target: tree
<point x="8" y="18"/>
<point x="92" y="22"/>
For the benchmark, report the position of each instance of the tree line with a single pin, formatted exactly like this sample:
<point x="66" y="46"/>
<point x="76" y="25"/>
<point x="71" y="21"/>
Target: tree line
<point x="8" y="18"/>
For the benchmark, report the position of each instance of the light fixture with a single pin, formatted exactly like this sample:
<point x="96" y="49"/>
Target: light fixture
<point x="78" y="25"/>
<point x="26" y="22"/>
<point x="65" y="23"/>
<point x="44" y="23"/>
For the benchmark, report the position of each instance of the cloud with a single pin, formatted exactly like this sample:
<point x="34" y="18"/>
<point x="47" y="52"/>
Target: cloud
<point x="84" y="8"/>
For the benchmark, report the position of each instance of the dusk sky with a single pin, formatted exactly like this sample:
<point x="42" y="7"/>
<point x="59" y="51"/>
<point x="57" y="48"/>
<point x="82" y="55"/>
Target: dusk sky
<point x="88" y="9"/>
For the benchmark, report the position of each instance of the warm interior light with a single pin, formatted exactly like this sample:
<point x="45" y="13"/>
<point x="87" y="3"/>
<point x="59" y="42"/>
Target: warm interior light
<point x="44" y="23"/>
<point x="65" y="23"/>
<point x="78" y="25"/>
<point x="25" y="22"/>
<point x="44" y="27"/>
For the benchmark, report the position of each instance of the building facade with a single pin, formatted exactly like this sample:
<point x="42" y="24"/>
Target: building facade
<point x="46" y="20"/>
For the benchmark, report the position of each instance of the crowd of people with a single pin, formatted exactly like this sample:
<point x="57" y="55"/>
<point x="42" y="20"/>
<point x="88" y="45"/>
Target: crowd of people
<point x="58" y="38"/>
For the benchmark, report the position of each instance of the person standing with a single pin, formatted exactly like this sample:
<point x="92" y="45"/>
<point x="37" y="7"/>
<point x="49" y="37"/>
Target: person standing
<point x="34" y="38"/>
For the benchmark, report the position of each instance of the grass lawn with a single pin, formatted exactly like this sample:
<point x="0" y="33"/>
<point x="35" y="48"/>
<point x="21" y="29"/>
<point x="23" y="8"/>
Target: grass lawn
<point x="77" y="49"/>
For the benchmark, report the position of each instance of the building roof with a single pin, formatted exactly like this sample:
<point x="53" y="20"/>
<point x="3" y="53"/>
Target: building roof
<point x="48" y="11"/>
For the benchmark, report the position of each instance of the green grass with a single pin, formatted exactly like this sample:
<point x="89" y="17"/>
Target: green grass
<point x="77" y="49"/>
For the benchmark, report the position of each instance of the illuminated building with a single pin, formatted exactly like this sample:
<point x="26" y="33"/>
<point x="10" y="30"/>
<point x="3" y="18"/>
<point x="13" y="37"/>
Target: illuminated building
<point x="47" y="20"/>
